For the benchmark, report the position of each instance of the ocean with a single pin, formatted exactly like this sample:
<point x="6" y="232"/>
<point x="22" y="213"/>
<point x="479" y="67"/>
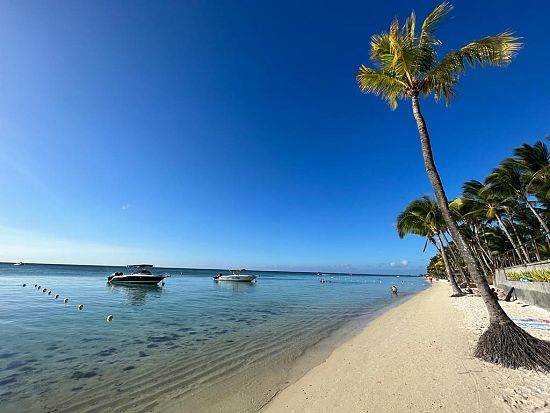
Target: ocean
<point x="190" y="345"/>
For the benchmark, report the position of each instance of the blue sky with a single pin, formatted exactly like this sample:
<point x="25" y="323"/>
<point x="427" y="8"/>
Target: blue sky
<point x="224" y="133"/>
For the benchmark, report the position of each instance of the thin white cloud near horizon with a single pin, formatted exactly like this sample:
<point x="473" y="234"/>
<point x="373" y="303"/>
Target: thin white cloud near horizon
<point x="402" y="264"/>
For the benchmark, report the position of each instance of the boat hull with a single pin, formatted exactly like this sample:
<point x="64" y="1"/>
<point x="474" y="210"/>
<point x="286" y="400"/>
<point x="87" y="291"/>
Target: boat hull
<point x="136" y="279"/>
<point x="236" y="278"/>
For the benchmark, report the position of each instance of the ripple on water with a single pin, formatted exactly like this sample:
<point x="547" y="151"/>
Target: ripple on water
<point x="203" y="330"/>
<point x="8" y="380"/>
<point x="83" y="374"/>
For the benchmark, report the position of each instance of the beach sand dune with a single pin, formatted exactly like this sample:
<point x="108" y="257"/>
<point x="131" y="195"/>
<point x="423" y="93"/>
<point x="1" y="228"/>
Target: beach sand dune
<point x="417" y="357"/>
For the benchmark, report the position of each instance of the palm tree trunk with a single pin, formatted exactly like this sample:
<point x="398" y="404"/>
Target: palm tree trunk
<point x="505" y="230"/>
<point x="496" y="313"/>
<point x="486" y="256"/>
<point x="503" y="342"/>
<point x="457" y="261"/>
<point x="487" y="249"/>
<point x="454" y="286"/>
<point x="534" y="211"/>
<point x="520" y="242"/>
<point x="485" y="266"/>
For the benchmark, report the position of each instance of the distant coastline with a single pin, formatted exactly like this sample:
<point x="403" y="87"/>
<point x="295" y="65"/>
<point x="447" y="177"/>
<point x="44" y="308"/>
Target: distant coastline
<point x="223" y="269"/>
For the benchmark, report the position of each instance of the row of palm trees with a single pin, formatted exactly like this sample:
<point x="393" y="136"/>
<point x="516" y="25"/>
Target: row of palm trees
<point x="504" y="212"/>
<point x="405" y="66"/>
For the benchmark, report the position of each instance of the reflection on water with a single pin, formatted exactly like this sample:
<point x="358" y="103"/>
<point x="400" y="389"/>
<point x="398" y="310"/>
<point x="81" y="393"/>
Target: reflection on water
<point x="235" y="285"/>
<point x="136" y="294"/>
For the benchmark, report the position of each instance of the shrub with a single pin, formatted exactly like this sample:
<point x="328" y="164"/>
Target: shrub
<point x="533" y="275"/>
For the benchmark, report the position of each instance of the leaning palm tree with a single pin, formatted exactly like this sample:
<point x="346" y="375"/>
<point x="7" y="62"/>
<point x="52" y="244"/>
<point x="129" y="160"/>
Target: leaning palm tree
<point x="407" y="68"/>
<point x="423" y="217"/>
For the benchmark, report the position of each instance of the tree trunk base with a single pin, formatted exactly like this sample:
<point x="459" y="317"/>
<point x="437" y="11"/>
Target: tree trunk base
<point x="510" y="346"/>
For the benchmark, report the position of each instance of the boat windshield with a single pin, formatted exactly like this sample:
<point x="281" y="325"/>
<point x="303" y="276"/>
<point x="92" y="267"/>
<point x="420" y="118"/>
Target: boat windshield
<point x="142" y="271"/>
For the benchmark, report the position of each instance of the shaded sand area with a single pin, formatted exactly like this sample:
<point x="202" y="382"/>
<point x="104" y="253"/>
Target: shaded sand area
<point x="417" y="358"/>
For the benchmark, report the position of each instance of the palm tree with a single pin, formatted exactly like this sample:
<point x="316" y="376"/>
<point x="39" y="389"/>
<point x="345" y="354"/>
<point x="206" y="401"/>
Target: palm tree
<point x="483" y="203"/>
<point x="508" y="180"/>
<point x="423" y="217"/>
<point x="534" y="164"/>
<point x="407" y="67"/>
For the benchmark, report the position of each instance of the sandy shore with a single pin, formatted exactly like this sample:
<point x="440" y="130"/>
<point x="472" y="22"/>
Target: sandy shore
<point x="417" y="358"/>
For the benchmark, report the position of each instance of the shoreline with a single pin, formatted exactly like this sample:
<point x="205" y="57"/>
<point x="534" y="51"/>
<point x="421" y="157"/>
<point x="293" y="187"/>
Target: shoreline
<point x="415" y="357"/>
<point x="274" y="375"/>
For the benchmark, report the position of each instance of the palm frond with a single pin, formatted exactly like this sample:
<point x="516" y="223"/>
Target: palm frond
<point x="381" y="84"/>
<point x="442" y="80"/>
<point x="498" y="50"/>
<point x="408" y="30"/>
<point x="430" y="24"/>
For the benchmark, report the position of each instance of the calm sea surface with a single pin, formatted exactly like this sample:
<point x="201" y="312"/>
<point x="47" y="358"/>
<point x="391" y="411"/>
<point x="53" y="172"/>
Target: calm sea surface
<point x="180" y="339"/>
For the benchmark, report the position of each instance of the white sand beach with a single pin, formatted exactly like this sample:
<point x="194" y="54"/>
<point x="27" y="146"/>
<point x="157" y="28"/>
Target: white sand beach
<point x="417" y="357"/>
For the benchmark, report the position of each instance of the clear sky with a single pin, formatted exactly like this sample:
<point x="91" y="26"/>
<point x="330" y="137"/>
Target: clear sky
<point x="232" y="133"/>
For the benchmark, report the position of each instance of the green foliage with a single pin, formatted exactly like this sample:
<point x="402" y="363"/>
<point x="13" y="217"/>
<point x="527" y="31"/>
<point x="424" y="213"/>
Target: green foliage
<point x="436" y="266"/>
<point x="516" y="191"/>
<point x="405" y="62"/>
<point x="533" y="275"/>
<point x="421" y="217"/>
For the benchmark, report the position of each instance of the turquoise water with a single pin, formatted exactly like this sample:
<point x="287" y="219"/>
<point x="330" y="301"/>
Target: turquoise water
<point x="179" y="339"/>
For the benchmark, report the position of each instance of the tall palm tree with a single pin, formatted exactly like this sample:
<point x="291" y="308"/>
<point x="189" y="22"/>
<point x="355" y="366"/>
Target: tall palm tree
<point x="406" y="68"/>
<point x="423" y="217"/>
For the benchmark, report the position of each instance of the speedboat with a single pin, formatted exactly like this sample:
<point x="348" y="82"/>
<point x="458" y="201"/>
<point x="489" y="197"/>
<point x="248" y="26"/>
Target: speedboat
<point x="18" y="263"/>
<point x="235" y="276"/>
<point x="140" y="274"/>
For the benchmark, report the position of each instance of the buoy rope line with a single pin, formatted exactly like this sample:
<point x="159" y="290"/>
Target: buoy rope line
<point x="80" y="307"/>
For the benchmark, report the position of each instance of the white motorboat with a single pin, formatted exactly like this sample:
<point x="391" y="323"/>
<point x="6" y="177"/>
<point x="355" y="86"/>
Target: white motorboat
<point x="235" y="276"/>
<point x="140" y="274"/>
<point x="18" y="263"/>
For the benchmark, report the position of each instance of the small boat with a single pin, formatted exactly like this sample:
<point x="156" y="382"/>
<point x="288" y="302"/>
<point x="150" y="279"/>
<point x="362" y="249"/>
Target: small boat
<point x="235" y="276"/>
<point x="19" y="263"/>
<point x="140" y="274"/>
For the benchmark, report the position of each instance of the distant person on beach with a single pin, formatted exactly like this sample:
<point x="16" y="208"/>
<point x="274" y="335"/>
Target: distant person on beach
<point x="393" y="290"/>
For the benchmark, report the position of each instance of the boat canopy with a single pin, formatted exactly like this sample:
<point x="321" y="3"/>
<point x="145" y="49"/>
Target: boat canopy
<point x="139" y="266"/>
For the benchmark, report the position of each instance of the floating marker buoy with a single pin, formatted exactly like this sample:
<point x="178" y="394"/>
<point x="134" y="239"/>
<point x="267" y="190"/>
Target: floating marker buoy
<point x="24" y="285"/>
<point x="35" y="285"/>
<point x="39" y="287"/>
<point x="44" y="290"/>
<point x="162" y="283"/>
<point x="110" y="317"/>
<point x="49" y="293"/>
<point x="56" y="296"/>
<point x="66" y="300"/>
<point x="80" y="306"/>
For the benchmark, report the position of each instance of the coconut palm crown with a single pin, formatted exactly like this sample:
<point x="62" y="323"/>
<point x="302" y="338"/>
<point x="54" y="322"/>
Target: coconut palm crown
<point x="407" y="65"/>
